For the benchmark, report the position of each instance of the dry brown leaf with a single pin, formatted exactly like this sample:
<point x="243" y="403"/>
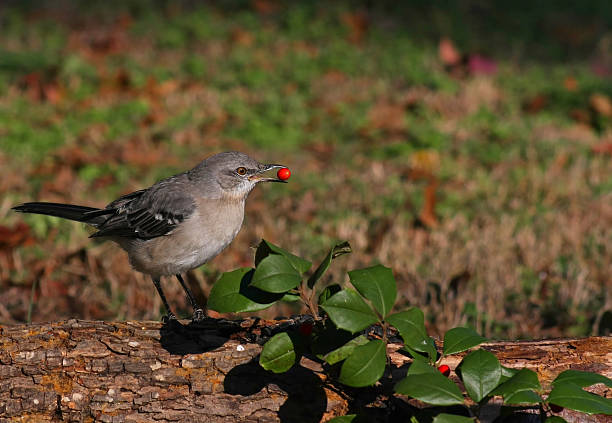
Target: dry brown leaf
<point x="305" y="209"/>
<point x="581" y="115"/>
<point x="18" y="235"/>
<point x="74" y="156"/>
<point x="63" y="178"/>
<point x="603" y="147"/>
<point x="358" y="24"/>
<point x="242" y="37"/>
<point x="601" y="104"/>
<point x="137" y="151"/>
<point x="428" y="212"/>
<point x="425" y="162"/>
<point x="41" y="88"/>
<point x="387" y="116"/>
<point x="536" y="104"/>
<point x="97" y="43"/>
<point x="448" y="53"/>
<point x="571" y="84"/>
<point x="265" y="7"/>
<point x="305" y="47"/>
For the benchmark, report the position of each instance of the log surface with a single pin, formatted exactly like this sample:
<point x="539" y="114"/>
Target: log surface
<point x="149" y="372"/>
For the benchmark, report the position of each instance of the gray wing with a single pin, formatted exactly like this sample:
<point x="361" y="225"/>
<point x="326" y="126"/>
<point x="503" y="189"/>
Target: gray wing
<point x="149" y="213"/>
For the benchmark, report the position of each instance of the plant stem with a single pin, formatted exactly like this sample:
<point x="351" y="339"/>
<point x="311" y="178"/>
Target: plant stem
<point x="307" y="298"/>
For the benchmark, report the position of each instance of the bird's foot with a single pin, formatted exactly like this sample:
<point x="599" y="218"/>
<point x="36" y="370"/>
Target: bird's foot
<point x="168" y="318"/>
<point x="199" y="315"/>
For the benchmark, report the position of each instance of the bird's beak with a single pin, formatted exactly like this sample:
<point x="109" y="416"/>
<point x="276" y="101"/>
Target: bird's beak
<point x="259" y="176"/>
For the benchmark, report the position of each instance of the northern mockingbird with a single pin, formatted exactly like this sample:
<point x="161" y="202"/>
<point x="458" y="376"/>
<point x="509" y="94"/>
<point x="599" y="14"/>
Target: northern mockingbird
<point x="179" y="223"/>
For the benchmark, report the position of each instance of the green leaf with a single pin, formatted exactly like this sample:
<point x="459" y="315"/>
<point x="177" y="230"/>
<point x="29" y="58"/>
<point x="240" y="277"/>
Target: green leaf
<point x="480" y="373"/>
<point x="507" y="373"/>
<point x="418" y="356"/>
<point x="232" y="293"/>
<point x="290" y="298"/>
<point x="350" y="418"/>
<point x="278" y="354"/>
<point x="348" y="311"/>
<point x="329" y="338"/>
<point x="523" y="380"/>
<point x="275" y="274"/>
<point x="581" y="378"/>
<point x="457" y="340"/>
<point x="344" y="351"/>
<point x="555" y="419"/>
<point x="266" y="249"/>
<point x="411" y="326"/>
<point x="430" y="388"/>
<point x="574" y="397"/>
<point x="328" y="292"/>
<point x="452" y="418"/>
<point x="336" y="251"/>
<point x="523" y="397"/>
<point x="365" y="366"/>
<point x="377" y="284"/>
<point x="343" y="419"/>
<point x="419" y="367"/>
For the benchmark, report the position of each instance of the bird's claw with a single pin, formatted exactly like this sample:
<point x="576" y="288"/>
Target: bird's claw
<point x="168" y="318"/>
<point x="199" y="315"/>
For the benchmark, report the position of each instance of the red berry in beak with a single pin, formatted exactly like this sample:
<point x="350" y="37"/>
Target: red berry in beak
<point x="283" y="174"/>
<point x="444" y="369"/>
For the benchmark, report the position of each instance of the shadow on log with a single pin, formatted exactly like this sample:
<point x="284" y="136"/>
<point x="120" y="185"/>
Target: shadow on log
<point x="149" y="372"/>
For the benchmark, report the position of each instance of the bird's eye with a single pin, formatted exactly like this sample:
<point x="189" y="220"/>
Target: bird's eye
<point x="241" y="171"/>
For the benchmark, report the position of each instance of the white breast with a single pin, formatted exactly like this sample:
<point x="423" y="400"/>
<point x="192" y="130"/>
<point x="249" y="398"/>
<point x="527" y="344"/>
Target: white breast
<point x="194" y="242"/>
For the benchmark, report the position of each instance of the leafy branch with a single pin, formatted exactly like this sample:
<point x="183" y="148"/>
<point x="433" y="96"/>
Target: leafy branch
<point x="341" y="315"/>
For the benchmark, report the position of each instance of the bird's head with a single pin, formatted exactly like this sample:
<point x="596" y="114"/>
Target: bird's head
<point x="235" y="174"/>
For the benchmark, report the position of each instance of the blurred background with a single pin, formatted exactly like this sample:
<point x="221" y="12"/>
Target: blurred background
<point x="465" y="144"/>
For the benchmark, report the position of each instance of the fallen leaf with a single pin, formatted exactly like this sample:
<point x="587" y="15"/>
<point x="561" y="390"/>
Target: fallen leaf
<point x="425" y="162"/>
<point x="73" y="155"/>
<point x="42" y="88"/>
<point x="138" y="152"/>
<point x="581" y="115"/>
<point x="601" y="104"/>
<point x="18" y="235"/>
<point x="377" y="233"/>
<point x="448" y="53"/>
<point x="428" y="212"/>
<point x="265" y="7"/>
<point x="103" y="181"/>
<point x="603" y="147"/>
<point x="387" y="116"/>
<point x="63" y="178"/>
<point x="601" y="69"/>
<point x="480" y="65"/>
<point x="571" y="84"/>
<point x="535" y="104"/>
<point x="122" y="80"/>
<point x="358" y="24"/>
<point x="242" y="37"/>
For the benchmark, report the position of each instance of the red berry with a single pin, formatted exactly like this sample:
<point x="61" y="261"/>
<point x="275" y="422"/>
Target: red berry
<point x="283" y="174"/>
<point x="444" y="369"/>
<point x="556" y="408"/>
<point x="306" y="329"/>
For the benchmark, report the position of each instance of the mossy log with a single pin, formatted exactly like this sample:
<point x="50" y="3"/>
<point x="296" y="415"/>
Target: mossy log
<point x="85" y="371"/>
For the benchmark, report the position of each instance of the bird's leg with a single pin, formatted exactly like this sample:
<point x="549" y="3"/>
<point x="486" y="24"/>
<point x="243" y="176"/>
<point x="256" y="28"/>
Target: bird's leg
<point x="198" y="312"/>
<point x="170" y="315"/>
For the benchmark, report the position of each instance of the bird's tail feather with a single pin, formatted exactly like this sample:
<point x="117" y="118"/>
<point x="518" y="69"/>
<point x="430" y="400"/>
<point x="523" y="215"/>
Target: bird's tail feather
<point x="66" y="211"/>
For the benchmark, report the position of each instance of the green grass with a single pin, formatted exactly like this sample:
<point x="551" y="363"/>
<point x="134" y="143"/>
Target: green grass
<point x="143" y="92"/>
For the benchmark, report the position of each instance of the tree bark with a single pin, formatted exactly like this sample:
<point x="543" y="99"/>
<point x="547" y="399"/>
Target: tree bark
<point x="148" y="372"/>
